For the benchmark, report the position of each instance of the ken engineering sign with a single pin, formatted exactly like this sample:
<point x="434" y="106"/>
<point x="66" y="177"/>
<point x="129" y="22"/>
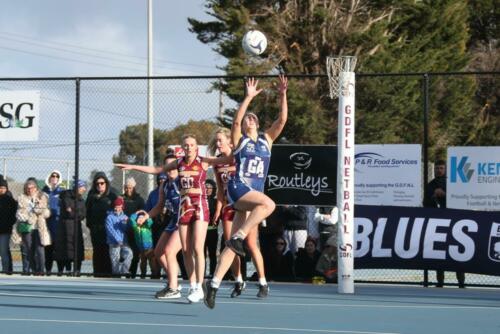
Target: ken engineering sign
<point x="19" y="115"/>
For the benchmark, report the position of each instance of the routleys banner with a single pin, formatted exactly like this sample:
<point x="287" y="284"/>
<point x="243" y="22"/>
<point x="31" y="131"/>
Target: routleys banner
<point x="303" y="175"/>
<point x="427" y="238"/>
<point x="19" y="115"/>
<point x="388" y="175"/>
<point x="473" y="178"/>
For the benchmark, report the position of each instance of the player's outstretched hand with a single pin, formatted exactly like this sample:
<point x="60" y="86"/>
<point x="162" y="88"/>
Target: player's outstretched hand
<point x="251" y="85"/>
<point x="283" y="84"/>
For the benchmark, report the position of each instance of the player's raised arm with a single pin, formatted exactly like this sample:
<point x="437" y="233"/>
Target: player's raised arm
<point x="149" y="169"/>
<point x="277" y="127"/>
<point x="140" y="168"/>
<point x="251" y="92"/>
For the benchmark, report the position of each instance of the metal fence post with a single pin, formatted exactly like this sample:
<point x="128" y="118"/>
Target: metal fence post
<point x="77" y="173"/>
<point x="425" y="93"/>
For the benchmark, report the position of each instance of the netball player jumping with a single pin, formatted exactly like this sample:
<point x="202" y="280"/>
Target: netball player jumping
<point x="252" y="154"/>
<point x="221" y="142"/>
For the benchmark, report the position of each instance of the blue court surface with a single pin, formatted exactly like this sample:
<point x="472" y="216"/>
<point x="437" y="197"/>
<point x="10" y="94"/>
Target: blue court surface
<point x="84" y="305"/>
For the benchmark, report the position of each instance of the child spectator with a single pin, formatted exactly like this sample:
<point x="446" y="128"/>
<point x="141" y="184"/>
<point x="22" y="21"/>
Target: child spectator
<point x="143" y="236"/>
<point x="116" y="237"/>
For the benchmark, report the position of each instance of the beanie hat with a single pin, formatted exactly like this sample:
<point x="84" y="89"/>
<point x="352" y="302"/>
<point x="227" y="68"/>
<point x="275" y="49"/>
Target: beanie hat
<point x="130" y="182"/>
<point x="80" y="183"/>
<point x="160" y="177"/>
<point x="118" y="202"/>
<point x="3" y="183"/>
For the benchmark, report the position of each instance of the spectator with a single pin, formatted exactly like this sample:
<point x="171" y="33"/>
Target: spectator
<point x="116" y="237"/>
<point x="53" y="189"/>
<point x="159" y="221"/>
<point x="133" y="203"/>
<point x="280" y="266"/>
<point x="327" y="262"/>
<point x="326" y="221"/>
<point x="31" y="227"/>
<point x="68" y="246"/>
<point x="307" y="258"/>
<point x="154" y="195"/>
<point x="143" y="237"/>
<point x="8" y="209"/>
<point x="8" y="191"/>
<point x="435" y="197"/>
<point x="99" y="202"/>
<point x="212" y="231"/>
<point x="295" y="227"/>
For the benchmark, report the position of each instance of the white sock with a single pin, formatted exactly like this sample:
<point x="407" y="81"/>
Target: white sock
<point x="239" y="279"/>
<point x="192" y="285"/>
<point x="262" y="281"/>
<point x="198" y="286"/>
<point x="240" y="235"/>
<point x="215" y="283"/>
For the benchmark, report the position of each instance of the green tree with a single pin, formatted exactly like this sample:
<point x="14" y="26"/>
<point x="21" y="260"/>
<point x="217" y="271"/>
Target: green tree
<point x="484" y="50"/>
<point x="386" y="36"/>
<point x="134" y="138"/>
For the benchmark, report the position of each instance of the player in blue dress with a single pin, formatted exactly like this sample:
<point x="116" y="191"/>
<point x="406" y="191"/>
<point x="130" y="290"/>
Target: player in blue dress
<point x="252" y="154"/>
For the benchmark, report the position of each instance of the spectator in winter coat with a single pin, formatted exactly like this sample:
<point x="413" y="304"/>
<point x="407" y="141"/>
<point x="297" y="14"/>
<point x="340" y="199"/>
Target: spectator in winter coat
<point x="99" y="201"/>
<point x="295" y="226"/>
<point x="68" y="245"/>
<point x="280" y="266"/>
<point x="8" y="209"/>
<point x="305" y="263"/>
<point x="31" y="227"/>
<point x="143" y="237"/>
<point x="133" y="203"/>
<point x="53" y="189"/>
<point x="327" y="264"/>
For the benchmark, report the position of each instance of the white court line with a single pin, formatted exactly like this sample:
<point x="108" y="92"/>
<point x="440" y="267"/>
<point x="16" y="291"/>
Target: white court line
<point x="437" y="307"/>
<point x="302" y="330"/>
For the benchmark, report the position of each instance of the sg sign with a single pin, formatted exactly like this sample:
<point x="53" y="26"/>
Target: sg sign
<point x="19" y="115"/>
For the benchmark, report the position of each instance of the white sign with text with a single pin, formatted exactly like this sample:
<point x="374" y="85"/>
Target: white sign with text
<point x="388" y="175"/>
<point x="473" y="181"/>
<point x="19" y="115"/>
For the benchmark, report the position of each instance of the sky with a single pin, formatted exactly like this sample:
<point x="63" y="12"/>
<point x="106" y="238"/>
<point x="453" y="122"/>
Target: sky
<point x="101" y="38"/>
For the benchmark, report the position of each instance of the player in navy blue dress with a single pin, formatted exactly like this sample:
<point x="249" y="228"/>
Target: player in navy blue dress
<point x="252" y="153"/>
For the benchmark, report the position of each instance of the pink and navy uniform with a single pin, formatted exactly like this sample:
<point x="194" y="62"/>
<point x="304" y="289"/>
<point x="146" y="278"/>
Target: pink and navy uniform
<point x="252" y="164"/>
<point x="172" y="202"/>
<point x="224" y="172"/>
<point x="194" y="204"/>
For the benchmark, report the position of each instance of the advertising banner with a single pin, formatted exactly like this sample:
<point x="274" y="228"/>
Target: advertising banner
<point x="388" y="175"/>
<point x="473" y="178"/>
<point x="303" y="175"/>
<point x="19" y="115"/>
<point x="427" y="238"/>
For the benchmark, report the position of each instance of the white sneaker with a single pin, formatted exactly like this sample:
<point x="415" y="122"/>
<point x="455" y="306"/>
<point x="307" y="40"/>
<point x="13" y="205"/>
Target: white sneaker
<point x="195" y="295"/>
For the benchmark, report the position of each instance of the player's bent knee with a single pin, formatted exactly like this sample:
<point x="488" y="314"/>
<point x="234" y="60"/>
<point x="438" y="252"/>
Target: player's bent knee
<point x="269" y="205"/>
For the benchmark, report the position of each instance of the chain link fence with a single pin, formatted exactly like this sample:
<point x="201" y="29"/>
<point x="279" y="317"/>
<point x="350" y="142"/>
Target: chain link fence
<point x="108" y="118"/>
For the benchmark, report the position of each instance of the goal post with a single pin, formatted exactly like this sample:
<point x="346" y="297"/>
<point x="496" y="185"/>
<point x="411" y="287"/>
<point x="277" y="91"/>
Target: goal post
<point x="341" y="79"/>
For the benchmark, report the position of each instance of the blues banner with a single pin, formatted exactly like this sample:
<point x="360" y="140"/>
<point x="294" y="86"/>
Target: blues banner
<point x="303" y="175"/>
<point x="426" y="238"/>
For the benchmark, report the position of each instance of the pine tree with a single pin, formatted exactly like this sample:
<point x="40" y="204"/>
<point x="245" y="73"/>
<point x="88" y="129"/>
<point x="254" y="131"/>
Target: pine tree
<point x="386" y="36"/>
